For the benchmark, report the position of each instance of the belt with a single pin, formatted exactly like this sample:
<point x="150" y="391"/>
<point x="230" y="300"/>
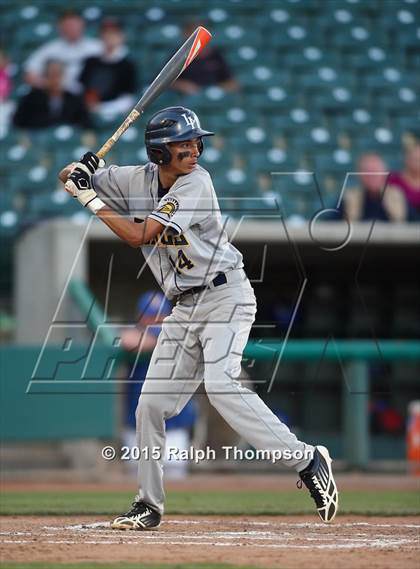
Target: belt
<point x="219" y="280"/>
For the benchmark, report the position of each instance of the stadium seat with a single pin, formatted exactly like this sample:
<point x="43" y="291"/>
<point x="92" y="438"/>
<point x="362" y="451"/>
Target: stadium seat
<point x="319" y="84"/>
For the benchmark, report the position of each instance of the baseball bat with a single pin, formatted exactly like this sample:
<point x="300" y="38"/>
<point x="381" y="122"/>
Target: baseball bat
<point x="172" y="70"/>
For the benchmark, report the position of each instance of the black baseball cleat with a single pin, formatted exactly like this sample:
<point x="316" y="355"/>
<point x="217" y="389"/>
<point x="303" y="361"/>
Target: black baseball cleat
<point x="140" y="517"/>
<point x="319" y="480"/>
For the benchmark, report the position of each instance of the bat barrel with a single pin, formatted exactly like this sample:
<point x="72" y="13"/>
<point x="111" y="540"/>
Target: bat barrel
<point x="172" y="70"/>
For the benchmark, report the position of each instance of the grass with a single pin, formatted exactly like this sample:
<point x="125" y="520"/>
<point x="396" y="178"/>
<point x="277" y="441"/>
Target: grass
<point x="380" y="503"/>
<point x="119" y="565"/>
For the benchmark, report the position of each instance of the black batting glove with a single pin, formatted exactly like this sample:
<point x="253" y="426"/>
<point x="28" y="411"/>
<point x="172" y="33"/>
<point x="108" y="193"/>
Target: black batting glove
<point x="81" y="178"/>
<point x="79" y="183"/>
<point x="91" y="161"/>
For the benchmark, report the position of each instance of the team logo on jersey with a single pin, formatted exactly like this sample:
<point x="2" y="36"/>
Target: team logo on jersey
<point x="165" y="239"/>
<point x="170" y="206"/>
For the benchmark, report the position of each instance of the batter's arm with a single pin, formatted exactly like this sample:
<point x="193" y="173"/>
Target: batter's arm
<point x="135" y="234"/>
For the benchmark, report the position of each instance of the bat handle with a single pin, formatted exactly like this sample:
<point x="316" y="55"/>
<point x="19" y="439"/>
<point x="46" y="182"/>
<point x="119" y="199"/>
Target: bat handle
<point x="134" y="115"/>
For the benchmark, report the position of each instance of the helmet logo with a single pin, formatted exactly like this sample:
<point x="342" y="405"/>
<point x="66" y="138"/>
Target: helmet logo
<point x="191" y="120"/>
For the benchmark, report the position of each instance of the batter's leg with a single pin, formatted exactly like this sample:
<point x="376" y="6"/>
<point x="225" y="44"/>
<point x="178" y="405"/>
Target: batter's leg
<point x="223" y="345"/>
<point x="175" y="372"/>
<point x="246" y="413"/>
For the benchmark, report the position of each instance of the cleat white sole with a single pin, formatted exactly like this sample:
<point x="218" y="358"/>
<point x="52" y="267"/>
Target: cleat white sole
<point x="324" y="513"/>
<point x="128" y="526"/>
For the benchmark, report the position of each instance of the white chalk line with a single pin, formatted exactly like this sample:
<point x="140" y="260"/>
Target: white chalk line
<point x="15" y="533"/>
<point x="351" y="545"/>
<point x="230" y="538"/>
<point x="106" y="525"/>
<point x="252" y="535"/>
<point x="236" y="538"/>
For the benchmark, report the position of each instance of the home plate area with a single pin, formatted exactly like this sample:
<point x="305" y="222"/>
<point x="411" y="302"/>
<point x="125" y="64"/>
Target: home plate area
<point x="300" y="535"/>
<point x="263" y="542"/>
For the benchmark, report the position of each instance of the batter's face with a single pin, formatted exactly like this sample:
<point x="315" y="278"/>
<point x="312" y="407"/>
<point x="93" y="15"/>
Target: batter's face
<point x="184" y="156"/>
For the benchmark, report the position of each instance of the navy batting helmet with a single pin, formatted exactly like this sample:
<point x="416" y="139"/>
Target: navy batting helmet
<point x="173" y="124"/>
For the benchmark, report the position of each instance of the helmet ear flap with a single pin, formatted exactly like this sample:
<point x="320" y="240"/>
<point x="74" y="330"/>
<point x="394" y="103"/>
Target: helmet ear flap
<point x="159" y="154"/>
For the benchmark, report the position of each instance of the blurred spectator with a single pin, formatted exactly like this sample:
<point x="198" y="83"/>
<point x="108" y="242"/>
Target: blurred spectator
<point x="369" y="201"/>
<point x="284" y="314"/>
<point x="152" y="308"/>
<point x="385" y="419"/>
<point x="408" y="181"/>
<point x="5" y="81"/>
<point x="209" y="68"/>
<point x="51" y="105"/>
<point x="109" y="80"/>
<point x="6" y="105"/>
<point x="72" y="48"/>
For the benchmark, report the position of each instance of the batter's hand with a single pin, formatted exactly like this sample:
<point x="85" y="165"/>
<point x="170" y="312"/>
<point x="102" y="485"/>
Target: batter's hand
<point x="79" y="183"/>
<point x="92" y="162"/>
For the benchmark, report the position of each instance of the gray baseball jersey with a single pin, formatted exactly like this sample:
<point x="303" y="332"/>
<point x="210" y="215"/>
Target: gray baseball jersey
<point x="196" y="248"/>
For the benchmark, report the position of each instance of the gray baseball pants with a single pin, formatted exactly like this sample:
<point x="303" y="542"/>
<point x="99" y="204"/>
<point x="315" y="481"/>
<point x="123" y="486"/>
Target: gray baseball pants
<point x="203" y="339"/>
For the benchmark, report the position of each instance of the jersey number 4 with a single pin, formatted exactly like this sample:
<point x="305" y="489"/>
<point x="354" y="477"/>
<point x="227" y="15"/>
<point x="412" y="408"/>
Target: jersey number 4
<point x="182" y="262"/>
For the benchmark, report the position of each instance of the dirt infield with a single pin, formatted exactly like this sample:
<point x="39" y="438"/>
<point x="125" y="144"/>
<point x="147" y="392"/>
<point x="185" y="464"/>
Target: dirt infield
<point x="291" y="542"/>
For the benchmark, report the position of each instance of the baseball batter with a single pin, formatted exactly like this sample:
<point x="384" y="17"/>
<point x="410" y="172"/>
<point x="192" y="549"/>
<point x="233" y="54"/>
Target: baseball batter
<point x="168" y="208"/>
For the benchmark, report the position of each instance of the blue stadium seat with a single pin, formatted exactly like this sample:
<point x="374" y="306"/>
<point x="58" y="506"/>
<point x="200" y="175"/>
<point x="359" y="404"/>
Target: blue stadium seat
<point x="319" y="84"/>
